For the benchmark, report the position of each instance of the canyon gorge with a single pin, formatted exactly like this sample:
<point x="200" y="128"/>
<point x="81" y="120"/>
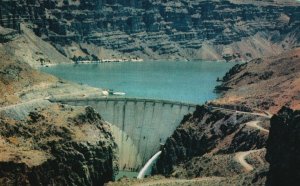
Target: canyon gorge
<point x="57" y="132"/>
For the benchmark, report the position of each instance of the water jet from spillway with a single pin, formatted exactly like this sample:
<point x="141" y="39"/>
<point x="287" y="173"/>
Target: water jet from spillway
<point x="148" y="165"/>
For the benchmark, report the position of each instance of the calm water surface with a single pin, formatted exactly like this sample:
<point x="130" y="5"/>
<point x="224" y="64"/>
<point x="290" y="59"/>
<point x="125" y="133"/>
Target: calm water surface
<point x="191" y="82"/>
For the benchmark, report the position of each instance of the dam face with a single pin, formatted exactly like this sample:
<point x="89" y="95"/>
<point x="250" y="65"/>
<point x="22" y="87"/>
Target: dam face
<point x="140" y="126"/>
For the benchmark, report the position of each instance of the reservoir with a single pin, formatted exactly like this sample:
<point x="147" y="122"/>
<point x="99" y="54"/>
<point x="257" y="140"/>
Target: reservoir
<point x="191" y="82"/>
<point x="141" y="127"/>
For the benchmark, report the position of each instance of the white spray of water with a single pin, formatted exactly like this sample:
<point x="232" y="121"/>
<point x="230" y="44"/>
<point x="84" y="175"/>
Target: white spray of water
<point x="148" y="165"/>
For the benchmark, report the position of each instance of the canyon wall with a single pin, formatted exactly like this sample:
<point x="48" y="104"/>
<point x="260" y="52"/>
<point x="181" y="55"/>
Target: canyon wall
<point x="156" y="29"/>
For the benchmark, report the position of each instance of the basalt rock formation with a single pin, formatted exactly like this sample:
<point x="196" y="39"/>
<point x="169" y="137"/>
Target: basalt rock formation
<point x="283" y="149"/>
<point x="206" y="142"/>
<point x="264" y="83"/>
<point x="201" y="29"/>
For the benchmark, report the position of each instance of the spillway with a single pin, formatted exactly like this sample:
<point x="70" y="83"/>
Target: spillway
<point x="140" y="126"/>
<point x="148" y="166"/>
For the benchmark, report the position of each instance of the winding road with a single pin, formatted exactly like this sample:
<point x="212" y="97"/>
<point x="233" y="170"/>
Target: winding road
<point x="266" y="114"/>
<point x="254" y="124"/>
<point x="22" y="103"/>
<point x="240" y="157"/>
<point x="161" y="182"/>
<point x="48" y="98"/>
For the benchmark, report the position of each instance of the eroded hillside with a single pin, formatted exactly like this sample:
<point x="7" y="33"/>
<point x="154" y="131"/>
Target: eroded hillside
<point x="266" y="83"/>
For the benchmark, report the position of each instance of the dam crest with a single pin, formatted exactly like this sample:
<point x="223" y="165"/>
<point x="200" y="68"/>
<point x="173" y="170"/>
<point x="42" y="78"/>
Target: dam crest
<point x="140" y="126"/>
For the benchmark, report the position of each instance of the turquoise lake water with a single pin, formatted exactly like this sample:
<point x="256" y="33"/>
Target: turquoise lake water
<point x="191" y="82"/>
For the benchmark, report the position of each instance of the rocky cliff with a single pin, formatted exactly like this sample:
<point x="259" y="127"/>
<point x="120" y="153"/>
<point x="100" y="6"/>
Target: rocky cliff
<point x="206" y="144"/>
<point x="265" y="83"/>
<point x="283" y="150"/>
<point x="228" y="29"/>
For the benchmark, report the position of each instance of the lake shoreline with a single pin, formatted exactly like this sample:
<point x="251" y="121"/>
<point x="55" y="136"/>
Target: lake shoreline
<point x="142" y="61"/>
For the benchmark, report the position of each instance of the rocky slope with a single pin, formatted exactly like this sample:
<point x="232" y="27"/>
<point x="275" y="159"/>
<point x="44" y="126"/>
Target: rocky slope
<point x="42" y="143"/>
<point x="15" y="74"/>
<point x="283" y="150"/>
<point x="266" y="84"/>
<point x="26" y="46"/>
<point x="19" y="82"/>
<point x="201" y="29"/>
<point x="206" y="144"/>
<point x="57" y="145"/>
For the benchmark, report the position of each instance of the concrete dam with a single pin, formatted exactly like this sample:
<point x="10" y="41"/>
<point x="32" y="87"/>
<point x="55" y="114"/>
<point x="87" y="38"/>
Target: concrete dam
<point x="140" y="126"/>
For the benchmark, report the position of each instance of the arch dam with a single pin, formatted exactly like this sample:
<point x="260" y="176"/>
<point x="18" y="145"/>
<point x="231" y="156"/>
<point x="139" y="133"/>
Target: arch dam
<point x="140" y="126"/>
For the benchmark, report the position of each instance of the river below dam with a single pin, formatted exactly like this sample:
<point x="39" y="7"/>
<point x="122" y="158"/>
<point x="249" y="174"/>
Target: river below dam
<point x="191" y="82"/>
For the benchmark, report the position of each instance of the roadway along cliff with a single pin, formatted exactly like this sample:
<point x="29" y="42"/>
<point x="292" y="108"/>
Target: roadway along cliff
<point x="156" y="29"/>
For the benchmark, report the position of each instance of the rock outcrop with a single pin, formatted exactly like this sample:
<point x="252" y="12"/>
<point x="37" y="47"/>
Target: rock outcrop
<point x="206" y="141"/>
<point x="201" y="29"/>
<point x="283" y="150"/>
<point x="57" y="145"/>
<point x="265" y="83"/>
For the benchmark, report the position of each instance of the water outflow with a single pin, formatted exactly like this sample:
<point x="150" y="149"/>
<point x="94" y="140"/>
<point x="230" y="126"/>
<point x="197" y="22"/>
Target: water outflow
<point x="148" y="165"/>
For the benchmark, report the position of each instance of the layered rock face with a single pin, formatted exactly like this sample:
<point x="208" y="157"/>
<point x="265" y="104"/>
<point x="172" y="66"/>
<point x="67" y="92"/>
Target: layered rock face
<point x="205" y="144"/>
<point x="283" y="150"/>
<point x="227" y="29"/>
